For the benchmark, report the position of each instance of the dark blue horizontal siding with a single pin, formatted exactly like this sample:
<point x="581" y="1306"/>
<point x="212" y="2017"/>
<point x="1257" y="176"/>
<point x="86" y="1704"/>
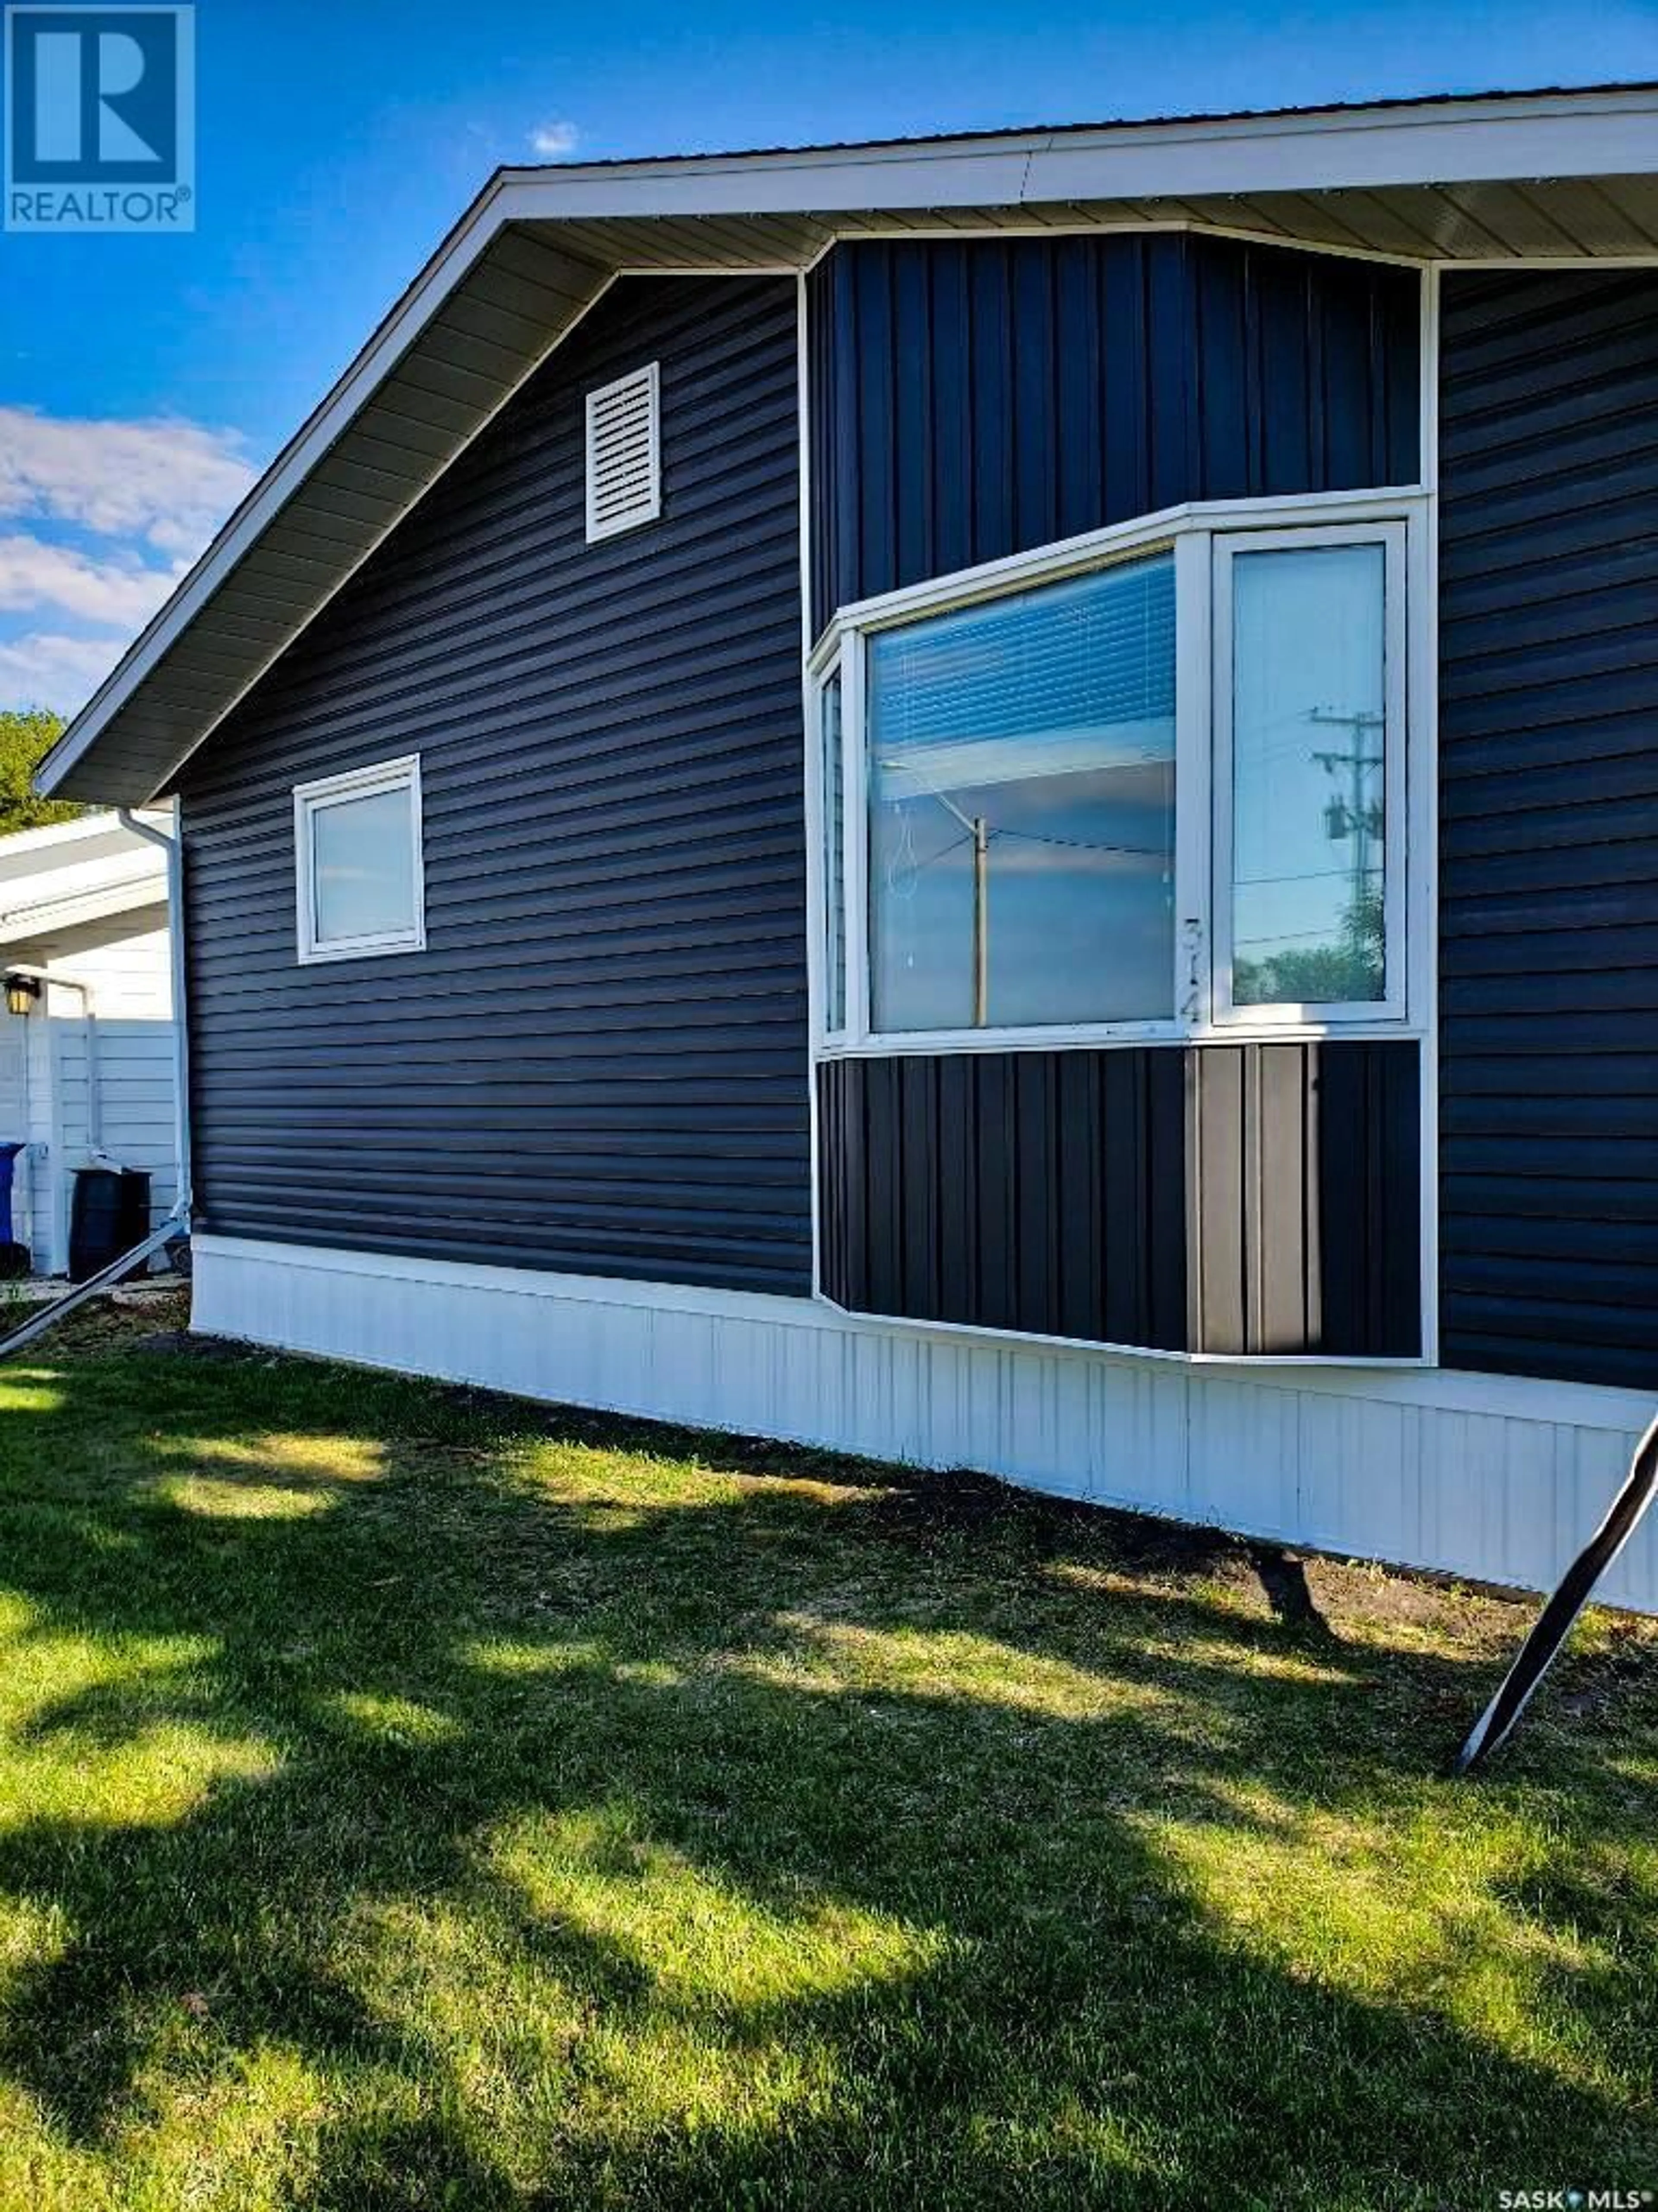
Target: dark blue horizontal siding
<point x="1549" y="807"/>
<point x="598" y="1064"/>
<point x="972" y="400"/>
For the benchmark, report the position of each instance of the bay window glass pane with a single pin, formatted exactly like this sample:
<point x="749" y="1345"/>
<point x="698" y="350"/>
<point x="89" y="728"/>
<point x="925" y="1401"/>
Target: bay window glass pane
<point x="1309" y="737"/>
<point x="1022" y="808"/>
<point x="835" y="888"/>
<point x="363" y="865"/>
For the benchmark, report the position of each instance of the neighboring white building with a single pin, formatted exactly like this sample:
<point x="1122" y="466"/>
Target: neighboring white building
<point x="88" y="1069"/>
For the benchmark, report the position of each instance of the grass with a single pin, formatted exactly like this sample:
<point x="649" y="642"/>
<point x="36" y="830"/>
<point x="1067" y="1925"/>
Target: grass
<point x="409" y="1798"/>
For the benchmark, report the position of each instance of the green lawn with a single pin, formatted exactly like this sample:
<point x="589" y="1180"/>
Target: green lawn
<point x="414" y="1799"/>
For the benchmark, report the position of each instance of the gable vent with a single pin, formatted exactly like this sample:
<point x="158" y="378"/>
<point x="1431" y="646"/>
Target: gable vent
<point x="624" y="453"/>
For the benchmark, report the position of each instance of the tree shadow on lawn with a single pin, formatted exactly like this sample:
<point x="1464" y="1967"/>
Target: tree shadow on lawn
<point x="757" y="1828"/>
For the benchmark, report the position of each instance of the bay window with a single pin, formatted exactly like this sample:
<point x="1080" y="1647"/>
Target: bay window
<point x="1155" y="784"/>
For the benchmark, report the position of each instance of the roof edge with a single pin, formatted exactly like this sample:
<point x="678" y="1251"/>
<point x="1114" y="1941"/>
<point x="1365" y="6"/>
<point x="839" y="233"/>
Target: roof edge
<point x="1488" y="135"/>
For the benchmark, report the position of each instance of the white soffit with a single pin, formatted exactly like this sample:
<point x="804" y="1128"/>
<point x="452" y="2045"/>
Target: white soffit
<point x="1551" y="175"/>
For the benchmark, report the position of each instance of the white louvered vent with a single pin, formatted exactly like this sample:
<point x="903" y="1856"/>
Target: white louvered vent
<point x="624" y="453"/>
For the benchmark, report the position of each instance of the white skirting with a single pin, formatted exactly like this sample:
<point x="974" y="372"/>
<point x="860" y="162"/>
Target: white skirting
<point x="1496" y="1478"/>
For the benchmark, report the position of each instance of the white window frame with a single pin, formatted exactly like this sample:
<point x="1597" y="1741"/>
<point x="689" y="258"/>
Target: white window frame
<point x="1393" y="1003"/>
<point x="1201" y="993"/>
<point x="827" y="861"/>
<point x="309" y="799"/>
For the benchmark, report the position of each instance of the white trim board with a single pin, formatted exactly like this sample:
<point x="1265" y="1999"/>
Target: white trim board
<point x="1496" y="1478"/>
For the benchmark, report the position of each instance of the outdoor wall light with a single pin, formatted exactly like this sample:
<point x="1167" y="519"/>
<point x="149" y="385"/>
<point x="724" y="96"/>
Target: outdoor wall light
<point x="22" y="993"/>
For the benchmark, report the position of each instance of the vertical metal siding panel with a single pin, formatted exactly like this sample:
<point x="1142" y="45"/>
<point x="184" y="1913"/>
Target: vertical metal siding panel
<point x="1222" y="1258"/>
<point x="958" y="1205"/>
<point x="874" y="364"/>
<point x="1222" y="398"/>
<point x="1127" y="1208"/>
<point x="1037" y="1195"/>
<point x="884" y="1128"/>
<point x="1548" y="746"/>
<point x="1399" y="1268"/>
<point x="1171" y="370"/>
<point x="1397" y="316"/>
<point x="1313" y="1142"/>
<point x="1343" y="1195"/>
<point x="1081" y="1224"/>
<point x="1127" y="368"/>
<point x="990" y="373"/>
<point x="995" y="1128"/>
<point x="1037" y="342"/>
<point x="1168" y="1169"/>
<point x="1011" y="391"/>
<point x="1079" y="470"/>
<point x="942" y="363"/>
<point x="921" y="1171"/>
<point x="1304" y="1193"/>
<point x="1001" y="1189"/>
<point x="1281" y="1324"/>
<point x="1286" y="396"/>
<point x="915" y="461"/>
<point x="599" y="1062"/>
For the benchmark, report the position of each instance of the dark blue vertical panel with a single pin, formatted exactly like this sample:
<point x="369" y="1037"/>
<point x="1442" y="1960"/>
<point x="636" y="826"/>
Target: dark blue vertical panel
<point x="1126" y="486"/>
<point x="1080" y="405"/>
<point x="1223" y="385"/>
<point x="988" y="367"/>
<point x="914" y="474"/>
<point x="1347" y="437"/>
<point x="1283" y="287"/>
<point x="1047" y="1193"/>
<point x="1035" y="399"/>
<point x="979" y="397"/>
<point x="1170" y="371"/>
<point x="952" y="453"/>
<point x="873" y="369"/>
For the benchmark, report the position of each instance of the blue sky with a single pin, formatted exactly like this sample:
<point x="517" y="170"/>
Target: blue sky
<point x="143" y="380"/>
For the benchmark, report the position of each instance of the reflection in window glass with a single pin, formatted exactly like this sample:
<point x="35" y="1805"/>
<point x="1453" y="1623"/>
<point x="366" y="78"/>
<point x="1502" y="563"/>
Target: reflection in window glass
<point x="1022" y="808"/>
<point x="362" y="866"/>
<point x="1309" y="826"/>
<point x="834" y="890"/>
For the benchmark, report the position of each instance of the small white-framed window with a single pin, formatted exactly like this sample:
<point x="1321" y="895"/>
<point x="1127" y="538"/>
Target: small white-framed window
<point x="1309" y="768"/>
<point x="624" y="452"/>
<point x="359" y="862"/>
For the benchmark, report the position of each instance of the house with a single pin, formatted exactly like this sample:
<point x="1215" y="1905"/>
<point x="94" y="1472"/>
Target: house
<point x="86" y="1059"/>
<point x="993" y="799"/>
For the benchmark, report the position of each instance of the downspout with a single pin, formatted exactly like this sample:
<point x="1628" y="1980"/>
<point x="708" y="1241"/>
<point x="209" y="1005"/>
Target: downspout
<point x="173" y="848"/>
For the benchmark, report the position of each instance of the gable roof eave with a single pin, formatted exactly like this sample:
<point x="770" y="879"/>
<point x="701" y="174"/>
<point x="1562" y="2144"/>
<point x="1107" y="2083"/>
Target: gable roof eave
<point x="539" y="247"/>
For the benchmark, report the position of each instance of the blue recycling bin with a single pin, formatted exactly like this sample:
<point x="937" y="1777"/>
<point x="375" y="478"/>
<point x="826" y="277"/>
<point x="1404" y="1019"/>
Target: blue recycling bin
<point x="14" y="1256"/>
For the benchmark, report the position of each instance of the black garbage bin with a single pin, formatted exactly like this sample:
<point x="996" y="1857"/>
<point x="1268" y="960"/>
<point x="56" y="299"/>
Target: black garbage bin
<point x="109" y="1214"/>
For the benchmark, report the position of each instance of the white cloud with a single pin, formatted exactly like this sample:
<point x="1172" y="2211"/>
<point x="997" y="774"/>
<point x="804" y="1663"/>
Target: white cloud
<point x="122" y="593"/>
<point x="44" y="668"/>
<point x="553" y="140"/>
<point x="169" y="485"/>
